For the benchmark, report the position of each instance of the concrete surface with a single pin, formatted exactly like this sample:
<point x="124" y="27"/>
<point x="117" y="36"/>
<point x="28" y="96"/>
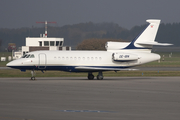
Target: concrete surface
<point x="114" y="98"/>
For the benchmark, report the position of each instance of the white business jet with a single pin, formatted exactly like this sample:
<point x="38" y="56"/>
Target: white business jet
<point x="119" y="56"/>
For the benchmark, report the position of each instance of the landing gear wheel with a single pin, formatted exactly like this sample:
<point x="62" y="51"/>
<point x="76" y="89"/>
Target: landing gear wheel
<point x="90" y="76"/>
<point x="33" y="75"/>
<point x="100" y="76"/>
<point x="33" y="78"/>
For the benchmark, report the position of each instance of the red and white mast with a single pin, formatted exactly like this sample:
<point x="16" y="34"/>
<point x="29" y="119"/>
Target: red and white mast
<point x="45" y="35"/>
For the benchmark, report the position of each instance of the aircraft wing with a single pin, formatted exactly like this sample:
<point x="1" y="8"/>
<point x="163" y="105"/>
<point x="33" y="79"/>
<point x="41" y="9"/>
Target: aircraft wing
<point x="102" y="69"/>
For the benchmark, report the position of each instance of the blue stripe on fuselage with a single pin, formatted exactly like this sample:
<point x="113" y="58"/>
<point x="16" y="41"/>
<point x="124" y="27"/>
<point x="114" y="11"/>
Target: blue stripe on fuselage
<point x="65" y="68"/>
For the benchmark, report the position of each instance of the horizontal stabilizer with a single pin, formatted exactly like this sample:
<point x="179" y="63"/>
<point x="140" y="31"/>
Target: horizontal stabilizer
<point x="102" y="69"/>
<point x="153" y="43"/>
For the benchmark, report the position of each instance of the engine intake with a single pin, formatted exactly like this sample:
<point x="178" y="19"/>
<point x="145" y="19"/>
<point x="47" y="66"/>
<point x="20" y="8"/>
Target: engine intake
<point x="116" y="45"/>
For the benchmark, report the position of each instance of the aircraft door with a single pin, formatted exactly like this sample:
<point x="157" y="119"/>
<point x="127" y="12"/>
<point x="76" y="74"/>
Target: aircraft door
<point x="42" y="61"/>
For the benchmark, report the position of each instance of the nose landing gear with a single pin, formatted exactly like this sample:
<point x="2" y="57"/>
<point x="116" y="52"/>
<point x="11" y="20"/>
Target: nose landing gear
<point x="33" y="75"/>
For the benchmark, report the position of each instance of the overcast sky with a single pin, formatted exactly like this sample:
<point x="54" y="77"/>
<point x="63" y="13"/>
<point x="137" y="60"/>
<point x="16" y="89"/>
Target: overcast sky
<point x="126" y="13"/>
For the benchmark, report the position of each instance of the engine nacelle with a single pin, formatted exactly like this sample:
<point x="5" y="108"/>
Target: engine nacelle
<point x="124" y="57"/>
<point x="116" y="45"/>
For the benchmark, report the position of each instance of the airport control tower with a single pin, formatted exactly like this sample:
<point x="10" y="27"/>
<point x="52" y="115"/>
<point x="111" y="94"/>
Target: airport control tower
<point x="41" y="43"/>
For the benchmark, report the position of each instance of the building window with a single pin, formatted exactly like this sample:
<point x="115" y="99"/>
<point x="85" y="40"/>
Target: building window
<point x="60" y="43"/>
<point x="51" y="43"/>
<point x="57" y="43"/>
<point x="46" y="43"/>
<point x="40" y="43"/>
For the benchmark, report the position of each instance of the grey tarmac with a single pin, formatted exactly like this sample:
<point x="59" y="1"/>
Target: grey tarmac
<point x="114" y="98"/>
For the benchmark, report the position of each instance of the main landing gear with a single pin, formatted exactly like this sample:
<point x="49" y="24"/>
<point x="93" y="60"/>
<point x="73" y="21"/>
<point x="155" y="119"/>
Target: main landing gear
<point x="33" y="75"/>
<point x="90" y="76"/>
<point x="99" y="76"/>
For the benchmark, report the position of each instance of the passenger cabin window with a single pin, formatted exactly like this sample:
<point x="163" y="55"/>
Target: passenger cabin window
<point x="51" y="43"/>
<point x="46" y="43"/>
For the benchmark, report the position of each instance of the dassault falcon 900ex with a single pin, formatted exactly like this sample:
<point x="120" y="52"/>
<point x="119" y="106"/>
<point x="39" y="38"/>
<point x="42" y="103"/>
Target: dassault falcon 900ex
<point x="119" y="56"/>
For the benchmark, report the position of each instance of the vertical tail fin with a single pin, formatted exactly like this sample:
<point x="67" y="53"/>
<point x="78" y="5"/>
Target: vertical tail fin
<point x="145" y="40"/>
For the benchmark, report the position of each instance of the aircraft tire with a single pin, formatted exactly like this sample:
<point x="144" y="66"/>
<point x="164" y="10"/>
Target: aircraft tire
<point x="99" y="77"/>
<point x="90" y="76"/>
<point x="32" y="78"/>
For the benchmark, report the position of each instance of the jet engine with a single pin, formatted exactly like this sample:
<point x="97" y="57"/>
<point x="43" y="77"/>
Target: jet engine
<point x="124" y="57"/>
<point x="116" y="45"/>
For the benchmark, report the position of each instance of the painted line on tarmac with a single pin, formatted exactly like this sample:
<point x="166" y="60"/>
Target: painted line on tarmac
<point x="86" y="111"/>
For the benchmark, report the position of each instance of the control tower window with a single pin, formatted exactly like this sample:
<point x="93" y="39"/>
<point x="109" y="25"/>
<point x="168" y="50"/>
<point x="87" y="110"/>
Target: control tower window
<point x="57" y="43"/>
<point x="51" y="43"/>
<point x="61" y="43"/>
<point x="46" y="43"/>
<point x="40" y="43"/>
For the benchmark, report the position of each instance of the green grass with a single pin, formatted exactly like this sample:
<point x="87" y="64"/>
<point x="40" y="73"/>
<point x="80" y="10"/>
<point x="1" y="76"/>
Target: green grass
<point x="4" y="54"/>
<point x="18" y="73"/>
<point x="173" y="61"/>
<point x="3" y="63"/>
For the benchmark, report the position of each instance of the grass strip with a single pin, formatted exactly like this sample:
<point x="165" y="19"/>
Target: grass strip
<point x="18" y="73"/>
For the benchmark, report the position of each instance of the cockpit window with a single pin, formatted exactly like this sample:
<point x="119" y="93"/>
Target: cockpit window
<point x="28" y="56"/>
<point x="24" y="56"/>
<point x="32" y="56"/>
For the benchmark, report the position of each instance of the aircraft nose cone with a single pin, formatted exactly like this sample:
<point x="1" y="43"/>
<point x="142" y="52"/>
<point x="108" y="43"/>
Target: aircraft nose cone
<point x="13" y="64"/>
<point x="9" y="64"/>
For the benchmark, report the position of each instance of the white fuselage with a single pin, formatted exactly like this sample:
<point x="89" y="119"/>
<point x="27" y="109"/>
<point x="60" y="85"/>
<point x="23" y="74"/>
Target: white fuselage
<point x="68" y="60"/>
